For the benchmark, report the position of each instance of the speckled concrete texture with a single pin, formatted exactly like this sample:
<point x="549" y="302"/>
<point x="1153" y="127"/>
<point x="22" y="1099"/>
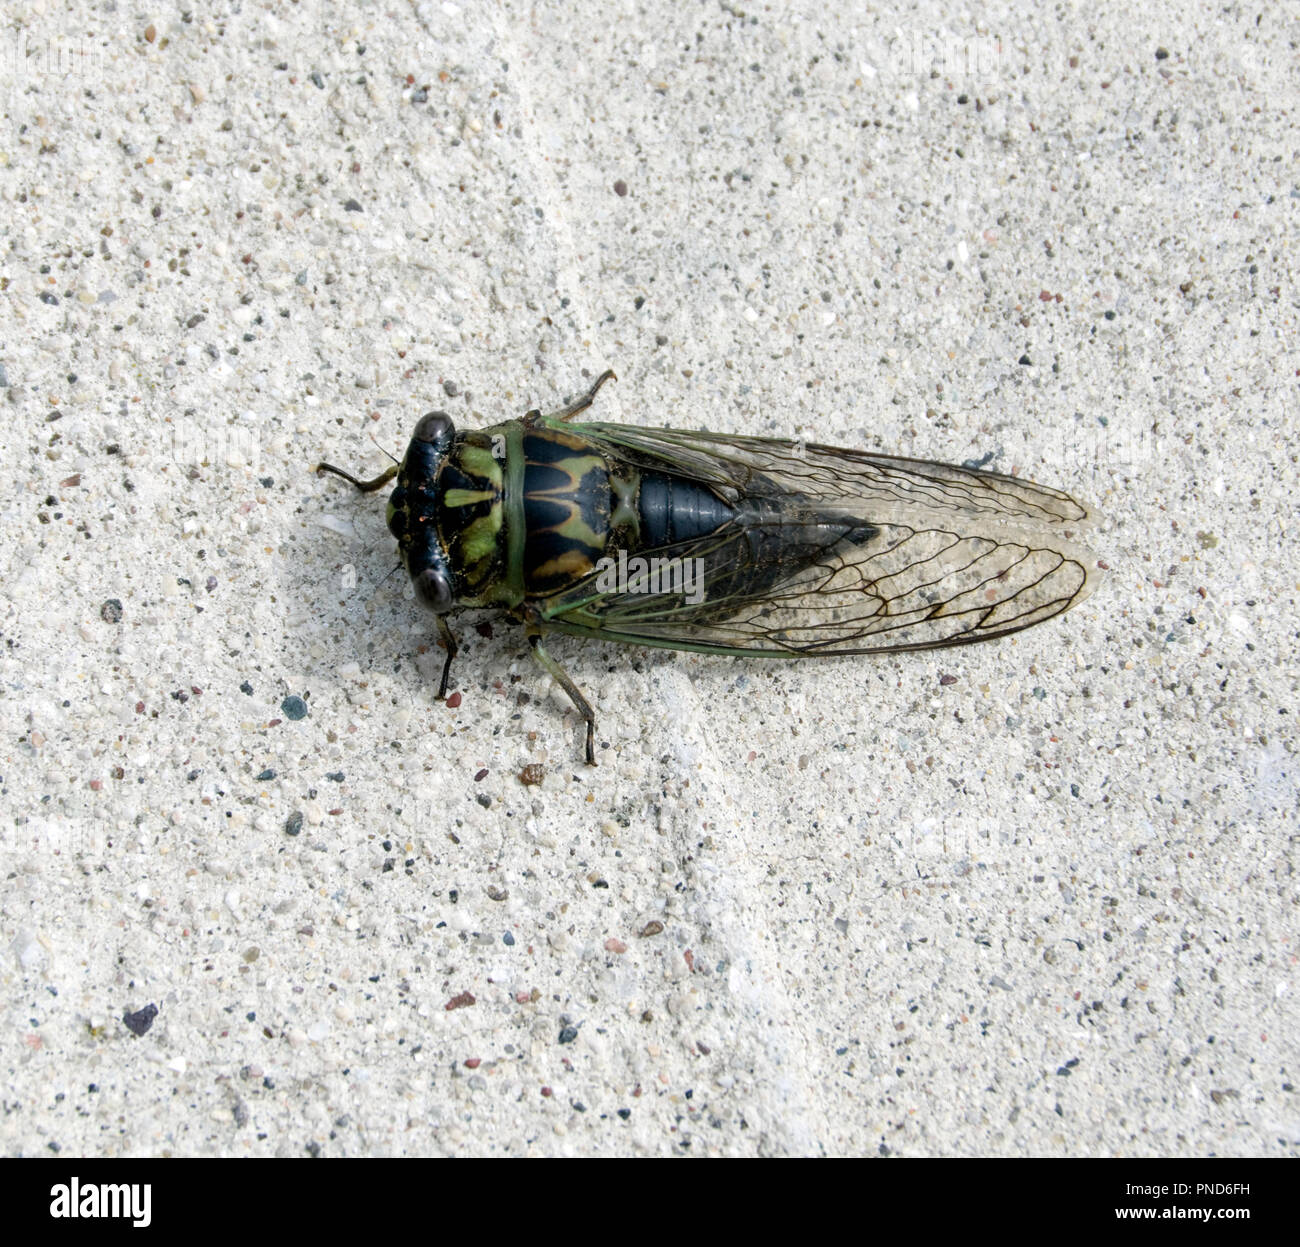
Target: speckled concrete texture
<point x="1029" y="898"/>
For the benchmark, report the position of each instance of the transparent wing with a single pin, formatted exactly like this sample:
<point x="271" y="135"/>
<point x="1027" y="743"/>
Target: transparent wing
<point x="842" y="552"/>
<point x="854" y="478"/>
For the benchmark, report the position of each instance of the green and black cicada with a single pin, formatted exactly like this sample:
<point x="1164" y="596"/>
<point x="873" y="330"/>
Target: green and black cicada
<point x="748" y="546"/>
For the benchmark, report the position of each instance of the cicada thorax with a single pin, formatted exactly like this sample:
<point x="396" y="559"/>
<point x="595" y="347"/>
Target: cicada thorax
<point x="567" y="509"/>
<point x="471" y="517"/>
<point x="582" y="505"/>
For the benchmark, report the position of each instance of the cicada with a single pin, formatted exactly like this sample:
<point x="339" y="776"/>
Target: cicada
<point x="750" y="546"/>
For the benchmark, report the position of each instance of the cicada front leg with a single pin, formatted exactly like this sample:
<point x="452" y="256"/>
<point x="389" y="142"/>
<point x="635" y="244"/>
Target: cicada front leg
<point x="565" y="681"/>
<point x="448" y="639"/>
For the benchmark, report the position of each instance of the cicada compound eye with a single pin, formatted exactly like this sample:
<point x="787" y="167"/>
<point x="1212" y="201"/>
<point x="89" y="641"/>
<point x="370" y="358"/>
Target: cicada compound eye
<point x="434" y="589"/>
<point x="436" y="429"/>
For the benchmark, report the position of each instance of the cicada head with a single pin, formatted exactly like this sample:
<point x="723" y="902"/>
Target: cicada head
<point x="446" y="515"/>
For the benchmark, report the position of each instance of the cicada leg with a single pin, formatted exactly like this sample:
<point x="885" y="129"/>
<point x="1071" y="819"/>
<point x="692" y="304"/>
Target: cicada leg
<point x="578" y="405"/>
<point x="448" y="640"/>
<point x="558" y="673"/>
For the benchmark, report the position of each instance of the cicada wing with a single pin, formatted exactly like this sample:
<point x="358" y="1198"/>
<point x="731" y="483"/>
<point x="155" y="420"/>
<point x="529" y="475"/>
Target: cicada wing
<point x="852" y="480"/>
<point x="919" y="585"/>
<point x="853" y="553"/>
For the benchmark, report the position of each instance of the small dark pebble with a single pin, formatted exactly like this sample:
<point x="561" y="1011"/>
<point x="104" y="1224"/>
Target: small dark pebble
<point x="508" y="940"/>
<point x="532" y="774"/>
<point x="336" y="776"/>
<point x="246" y="688"/>
<point x="294" y="708"/>
<point x="138" y="1023"/>
<point x="1162" y="54"/>
<point x="620" y="188"/>
<point x="484" y="800"/>
<point x="947" y="679"/>
<point x="463" y="1001"/>
<point x="1025" y="360"/>
<point x="293" y="824"/>
<point x="317" y="79"/>
<point x="568" y="1034"/>
<point x="625" y="1113"/>
<point x="450" y="389"/>
<point x="351" y="205"/>
<point x="484" y="629"/>
<point x="111" y="611"/>
<point x="265" y="775"/>
<point x="480" y="776"/>
<point x="51" y="299"/>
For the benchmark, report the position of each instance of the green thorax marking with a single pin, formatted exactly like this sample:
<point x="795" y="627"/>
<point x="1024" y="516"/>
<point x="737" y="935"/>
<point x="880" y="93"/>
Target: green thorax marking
<point x="508" y="440"/>
<point x="468" y="497"/>
<point x="471" y="515"/>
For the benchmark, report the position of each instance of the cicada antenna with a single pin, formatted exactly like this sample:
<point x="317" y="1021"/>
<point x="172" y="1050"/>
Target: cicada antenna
<point x="382" y="451"/>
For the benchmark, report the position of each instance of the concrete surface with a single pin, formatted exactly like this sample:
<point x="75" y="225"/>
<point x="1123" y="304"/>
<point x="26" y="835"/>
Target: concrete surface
<point x="1046" y="908"/>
